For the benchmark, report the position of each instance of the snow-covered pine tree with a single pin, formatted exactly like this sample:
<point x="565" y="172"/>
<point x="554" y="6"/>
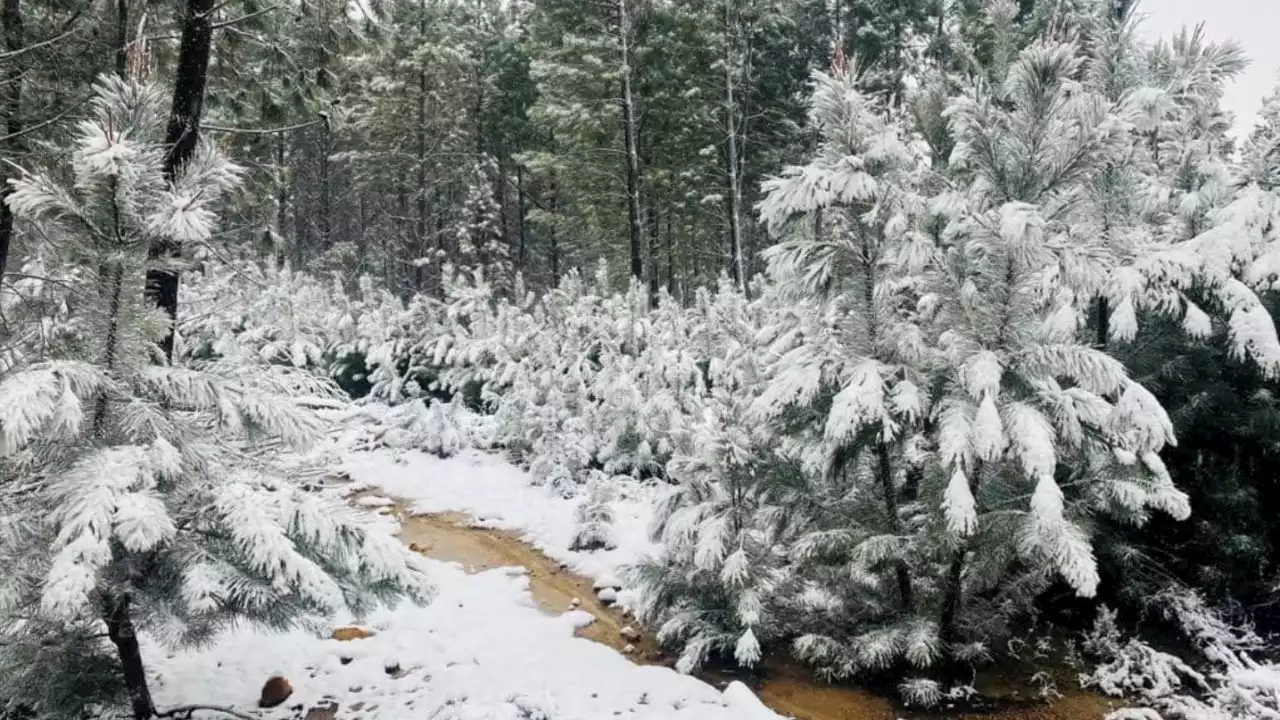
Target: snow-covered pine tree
<point x="712" y="590"/>
<point x="595" y="515"/>
<point x="1261" y="153"/>
<point x="1035" y="431"/>
<point x="140" y="497"/>
<point x="844" y="384"/>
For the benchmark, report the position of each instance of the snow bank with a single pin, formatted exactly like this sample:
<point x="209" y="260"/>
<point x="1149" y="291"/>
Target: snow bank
<point x="480" y="648"/>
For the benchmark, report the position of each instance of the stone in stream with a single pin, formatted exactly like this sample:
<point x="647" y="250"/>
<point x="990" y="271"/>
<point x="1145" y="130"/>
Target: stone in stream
<point x="608" y="596"/>
<point x="629" y="634"/>
<point x="574" y="603"/>
<point x="629" y="649"/>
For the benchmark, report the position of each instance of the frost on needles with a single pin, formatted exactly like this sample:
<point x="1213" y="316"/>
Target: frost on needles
<point x="138" y="497"/>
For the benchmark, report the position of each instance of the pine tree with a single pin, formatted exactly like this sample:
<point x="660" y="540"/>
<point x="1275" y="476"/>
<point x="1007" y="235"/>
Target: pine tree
<point x="1035" y="430"/>
<point x="144" y="496"/>
<point x="845" y="386"/>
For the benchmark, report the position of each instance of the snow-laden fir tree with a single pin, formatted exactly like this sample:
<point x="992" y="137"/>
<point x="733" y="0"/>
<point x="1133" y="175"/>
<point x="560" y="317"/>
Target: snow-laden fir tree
<point x="594" y="515"/>
<point x="711" y="591"/>
<point x="1034" y="431"/>
<point x="845" y="387"/>
<point x="137" y="496"/>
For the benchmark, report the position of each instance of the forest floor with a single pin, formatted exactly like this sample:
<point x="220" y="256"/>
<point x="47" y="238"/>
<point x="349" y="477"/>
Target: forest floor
<point x="516" y="630"/>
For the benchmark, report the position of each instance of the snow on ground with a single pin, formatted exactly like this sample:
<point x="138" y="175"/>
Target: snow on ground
<point x="500" y="496"/>
<point x="481" y="649"/>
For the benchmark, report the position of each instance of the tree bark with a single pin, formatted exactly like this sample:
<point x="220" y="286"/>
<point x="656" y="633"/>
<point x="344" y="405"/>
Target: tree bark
<point x="655" y="240"/>
<point x="520" y="220"/>
<point x="671" y="257"/>
<point x="281" y="203"/>
<point x="181" y="137"/>
<point x="733" y="170"/>
<point x="634" y="212"/>
<point x="123" y="635"/>
<point x="122" y="36"/>
<point x="420" y="228"/>
<point x="11" y="18"/>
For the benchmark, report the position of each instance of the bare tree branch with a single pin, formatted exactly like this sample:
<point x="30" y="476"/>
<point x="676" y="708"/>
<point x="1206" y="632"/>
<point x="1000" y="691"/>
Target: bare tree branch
<point x="46" y="123"/>
<point x="186" y="710"/>
<point x="259" y="131"/>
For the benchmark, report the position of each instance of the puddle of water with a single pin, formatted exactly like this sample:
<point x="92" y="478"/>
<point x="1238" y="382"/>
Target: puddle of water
<point x="788" y="689"/>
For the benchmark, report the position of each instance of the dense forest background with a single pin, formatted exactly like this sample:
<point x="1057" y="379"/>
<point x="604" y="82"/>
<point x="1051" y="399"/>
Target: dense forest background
<point x="856" y="277"/>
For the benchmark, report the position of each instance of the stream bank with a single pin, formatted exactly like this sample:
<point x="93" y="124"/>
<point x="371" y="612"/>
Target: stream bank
<point x="785" y="687"/>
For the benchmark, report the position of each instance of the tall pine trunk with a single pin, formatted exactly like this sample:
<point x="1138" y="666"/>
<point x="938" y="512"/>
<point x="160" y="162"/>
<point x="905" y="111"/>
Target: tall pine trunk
<point x="732" y="161"/>
<point x="121" y="632"/>
<point x="11" y="18"/>
<point x="635" y="223"/>
<point x="181" y="137"/>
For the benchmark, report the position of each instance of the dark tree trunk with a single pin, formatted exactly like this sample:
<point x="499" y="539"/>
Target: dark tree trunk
<point x="903" y="573"/>
<point x="655" y="240"/>
<point x="1104" y="323"/>
<point x="122" y="634"/>
<point x="421" y="246"/>
<point x="122" y="36"/>
<point x="635" y="222"/>
<point x="555" y="247"/>
<point x="282" y="202"/>
<point x="326" y="192"/>
<point x="955" y="591"/>
<point x="183" y="132"/>
<point x="520" y="228"/>
<point x="11" y="18"/>
<point x="671" y="257"/>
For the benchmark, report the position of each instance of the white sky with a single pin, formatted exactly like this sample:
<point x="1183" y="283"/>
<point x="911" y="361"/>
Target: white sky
<point x="1255" y="24"/>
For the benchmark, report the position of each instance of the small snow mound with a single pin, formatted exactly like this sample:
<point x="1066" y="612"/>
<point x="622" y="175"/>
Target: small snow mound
<point x="1263" y="678"/>
<point x="579" y="618"/>
<point x="375" y="501"/>
<point x="739" y="697"/>
<point x="607" y="580"/>
<point x="608" y="596"/>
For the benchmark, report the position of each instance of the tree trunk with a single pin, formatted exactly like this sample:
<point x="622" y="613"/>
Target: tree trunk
<point x="421" y="248"/>
<point x="282" y="203"/>
<point x="655" y="240"/>
<point x="1104" y="323"/>
<point x="11" y="18"/>
<point x="671" y="257"/>
<point x="122" y="36"/>
<point x="901" y="571"/>
<point x="555" y="246"/>
<point x="520" y="227"/>
<point x="122" y="634"/>
<point x="953" y="601"/>
<point x="737" y="267"/>
<point x="181" y="137"/>
<point x="635" y="222"/>
<point x="326" y="192"/>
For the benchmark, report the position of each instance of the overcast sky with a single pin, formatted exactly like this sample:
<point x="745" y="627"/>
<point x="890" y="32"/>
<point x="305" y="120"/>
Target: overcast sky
<point x="1255" y="24"/>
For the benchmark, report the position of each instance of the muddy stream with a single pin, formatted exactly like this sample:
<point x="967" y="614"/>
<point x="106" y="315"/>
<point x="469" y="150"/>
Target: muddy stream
<point x="788" y="689"/>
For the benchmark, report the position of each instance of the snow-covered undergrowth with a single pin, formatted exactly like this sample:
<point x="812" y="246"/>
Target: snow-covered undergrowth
<point x="1223" y="681"/>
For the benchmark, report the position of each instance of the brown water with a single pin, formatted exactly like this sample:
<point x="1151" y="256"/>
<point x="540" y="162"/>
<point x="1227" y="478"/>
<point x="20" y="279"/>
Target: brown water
<point x="788" y="689"/>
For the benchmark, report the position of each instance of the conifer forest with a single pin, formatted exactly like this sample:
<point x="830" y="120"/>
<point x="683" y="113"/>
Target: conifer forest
<point x="571" y="359"/>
